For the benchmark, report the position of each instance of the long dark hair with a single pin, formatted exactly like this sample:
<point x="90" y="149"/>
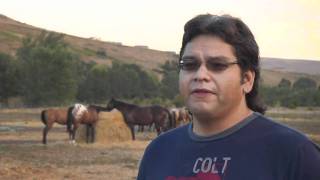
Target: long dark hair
<point x="234" y="32"/>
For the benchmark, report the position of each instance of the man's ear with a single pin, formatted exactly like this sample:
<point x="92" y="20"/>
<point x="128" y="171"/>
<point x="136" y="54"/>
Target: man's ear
<point x="247" y="81"/>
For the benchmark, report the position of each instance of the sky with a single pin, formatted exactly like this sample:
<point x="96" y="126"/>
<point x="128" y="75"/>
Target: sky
<point x="282" y="28"/>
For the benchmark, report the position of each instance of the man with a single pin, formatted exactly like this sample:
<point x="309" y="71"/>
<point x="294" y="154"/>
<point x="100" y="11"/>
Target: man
<point x="229" y="138"/>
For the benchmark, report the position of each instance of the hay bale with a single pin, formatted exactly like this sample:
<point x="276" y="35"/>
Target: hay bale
<point x="110" y="128"/>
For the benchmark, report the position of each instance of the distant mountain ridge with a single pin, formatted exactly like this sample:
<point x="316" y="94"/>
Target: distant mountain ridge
<point x="290" y="65"/>
<point x="274" y="69"/>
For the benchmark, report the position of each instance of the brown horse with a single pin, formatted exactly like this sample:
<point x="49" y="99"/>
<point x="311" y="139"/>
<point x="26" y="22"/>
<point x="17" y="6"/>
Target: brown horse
<point x="51" y="116"/>
<point x="89" y="116"/>
<point x="136" y="115"/>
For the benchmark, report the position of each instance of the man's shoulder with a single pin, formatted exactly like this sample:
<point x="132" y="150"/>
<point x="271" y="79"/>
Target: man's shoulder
<point x="279" y="132"/>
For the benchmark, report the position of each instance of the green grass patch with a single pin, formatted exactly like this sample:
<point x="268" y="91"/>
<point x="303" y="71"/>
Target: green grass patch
<point x="7" y="35"/>
<point x="84" y="51"/>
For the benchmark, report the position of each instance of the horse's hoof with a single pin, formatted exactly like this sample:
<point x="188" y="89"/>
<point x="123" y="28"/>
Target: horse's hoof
<point x="72" y="142"/>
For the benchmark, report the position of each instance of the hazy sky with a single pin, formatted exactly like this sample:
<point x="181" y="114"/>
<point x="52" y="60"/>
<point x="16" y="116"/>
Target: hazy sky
<point x="283" y="28"/>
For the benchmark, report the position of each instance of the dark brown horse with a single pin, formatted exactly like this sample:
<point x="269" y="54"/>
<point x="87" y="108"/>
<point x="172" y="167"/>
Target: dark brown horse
<point x="51" y="116"/>
<point x="89" y="117"/>
<point x="136" y="115"/>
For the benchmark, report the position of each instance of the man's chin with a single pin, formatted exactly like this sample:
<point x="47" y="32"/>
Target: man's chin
<point x="200" y="108"/>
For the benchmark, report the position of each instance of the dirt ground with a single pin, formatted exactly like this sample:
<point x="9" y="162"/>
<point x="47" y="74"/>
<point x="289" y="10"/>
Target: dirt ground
<point x="23" y="156"/>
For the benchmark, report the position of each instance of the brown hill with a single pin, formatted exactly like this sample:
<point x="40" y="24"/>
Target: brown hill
<point x="274" y="69"/>
<point x="292" y="65"/>
<point x="12" y="32"/>
<point x="273" y="77"/>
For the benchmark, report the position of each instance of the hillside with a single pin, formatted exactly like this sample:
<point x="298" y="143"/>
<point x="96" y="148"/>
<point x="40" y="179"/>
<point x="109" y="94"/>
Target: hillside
<point x="274" y="69"/>
<point x="273" y="77"/>
<point x="12" y="32"/>
<point x="292" y="65"/>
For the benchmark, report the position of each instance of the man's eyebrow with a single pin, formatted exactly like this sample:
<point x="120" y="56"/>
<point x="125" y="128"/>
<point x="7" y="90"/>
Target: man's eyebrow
<point x="210" y="58"/>
<point x="218" y="58"/>
<point x="189" y="57"/>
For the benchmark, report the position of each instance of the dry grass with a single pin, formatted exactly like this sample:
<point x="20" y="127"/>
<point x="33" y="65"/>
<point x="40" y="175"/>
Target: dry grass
<point x="305" y="120"/>
<point x="22" y="156"/>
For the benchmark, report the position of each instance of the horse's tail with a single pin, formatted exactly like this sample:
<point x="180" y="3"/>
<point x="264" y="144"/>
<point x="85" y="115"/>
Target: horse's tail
<point x="43" y="117"/>
<point x="70" y="119"/>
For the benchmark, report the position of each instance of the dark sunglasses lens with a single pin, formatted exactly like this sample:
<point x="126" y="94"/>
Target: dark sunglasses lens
<point x="217" y="66"/>
<point x="189" y="65"/>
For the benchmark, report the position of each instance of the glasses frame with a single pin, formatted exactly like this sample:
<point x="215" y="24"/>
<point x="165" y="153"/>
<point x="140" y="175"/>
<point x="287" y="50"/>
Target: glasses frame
<point x="227" y="65"/>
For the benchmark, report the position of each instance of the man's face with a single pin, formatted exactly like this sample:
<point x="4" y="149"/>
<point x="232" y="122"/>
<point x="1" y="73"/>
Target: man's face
<point x="210" y="79"/>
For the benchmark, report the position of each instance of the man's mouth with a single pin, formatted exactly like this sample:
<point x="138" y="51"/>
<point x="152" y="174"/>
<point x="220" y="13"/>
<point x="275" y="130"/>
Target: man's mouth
<point x="201" y="92"/>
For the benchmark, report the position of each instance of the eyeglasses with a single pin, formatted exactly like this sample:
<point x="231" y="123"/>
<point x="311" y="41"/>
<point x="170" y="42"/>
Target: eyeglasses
<point x="214" y="66"/>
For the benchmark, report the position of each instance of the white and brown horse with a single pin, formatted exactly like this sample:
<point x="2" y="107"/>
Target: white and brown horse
<point x="80" y="114"/>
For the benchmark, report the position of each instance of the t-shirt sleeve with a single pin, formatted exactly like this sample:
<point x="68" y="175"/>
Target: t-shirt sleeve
<point x="308" y="162"/>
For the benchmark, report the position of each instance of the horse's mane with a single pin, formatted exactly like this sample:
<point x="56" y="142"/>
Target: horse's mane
<point x="126" y="105"/>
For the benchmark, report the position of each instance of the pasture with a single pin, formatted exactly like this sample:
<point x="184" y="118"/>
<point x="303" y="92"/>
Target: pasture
<point x="23" y="156"/>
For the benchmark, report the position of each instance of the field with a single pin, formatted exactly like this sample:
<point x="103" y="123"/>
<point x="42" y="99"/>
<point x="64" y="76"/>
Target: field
<point x="22" y="156"/>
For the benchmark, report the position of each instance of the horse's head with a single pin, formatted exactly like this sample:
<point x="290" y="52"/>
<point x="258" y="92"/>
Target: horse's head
<point x="111" y="104"/>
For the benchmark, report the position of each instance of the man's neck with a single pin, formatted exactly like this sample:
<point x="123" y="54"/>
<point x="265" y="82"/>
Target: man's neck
<point x="215" y="125"/>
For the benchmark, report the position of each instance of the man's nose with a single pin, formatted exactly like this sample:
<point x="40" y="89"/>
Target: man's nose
<point x="202" y="73"/>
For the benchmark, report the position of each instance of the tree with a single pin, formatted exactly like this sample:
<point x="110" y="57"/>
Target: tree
<point x="317" y="97"/>
<point x="304" y="98"/>
<point x="284" y="83"/>
<point x="9" y="77"/>
<point x="130" y="81"/>
<point x="304" y="83"/>
<point x="169" y="83"/>
<point x="49" y="70"/>
<point x="94" y="88"/>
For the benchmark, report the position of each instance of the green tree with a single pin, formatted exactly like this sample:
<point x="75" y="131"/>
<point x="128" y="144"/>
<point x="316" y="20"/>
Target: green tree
<point x="9" y="77"/>
<point x="169" y="83"/>
<point x="130" y="81"/>
<point x="307" y="97"/>
<point x="284" y="83"/>
<point x="304" y="83"/>
<point x="49" y="70"/>
<point x="94" y="88"/>
<point x="317" y="97"/>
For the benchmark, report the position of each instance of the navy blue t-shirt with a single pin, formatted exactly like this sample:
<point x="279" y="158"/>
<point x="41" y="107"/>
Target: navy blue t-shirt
<point x="257" y="148"/>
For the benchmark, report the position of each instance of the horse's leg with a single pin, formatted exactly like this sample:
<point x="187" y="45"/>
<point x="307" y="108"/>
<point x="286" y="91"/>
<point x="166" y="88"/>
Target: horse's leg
<point x="88" y="128"/>
<point x="93" y="133"/>
<point x="70" y="132"/>
<point x="131" y="126"/>
<point x="74" y="129"/>
<point x="90" y="133"/>
<point x="150" y="127"/>
<point x="140" y="128"/>
<point x="158" y="128"/>
<point x="45" y="132"/>
<point x="70" y="135"/>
